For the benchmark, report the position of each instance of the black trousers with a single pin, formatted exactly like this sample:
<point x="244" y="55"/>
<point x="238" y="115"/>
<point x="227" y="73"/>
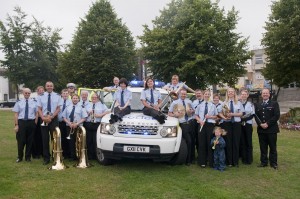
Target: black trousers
<point x="121" y="113"/>
<point x="187" y="133"/>
<point x="64" y="140"/>
<point x="195" y="128"/>
<point x="246" y="144"/>
<point x="72" y="143"/>
<point x="91" y="139"/>
<point x="268" y="140"/>
<point x="232" y="140"/>
<point x="37" y="146"/>
<point x="46" y="137"/>
<point x="25" y="137"/>
<point x="205" y="152"/>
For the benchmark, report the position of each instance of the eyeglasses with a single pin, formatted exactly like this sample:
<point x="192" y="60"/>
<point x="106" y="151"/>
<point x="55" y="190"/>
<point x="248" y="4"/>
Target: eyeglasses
<point x="27" y="93"/>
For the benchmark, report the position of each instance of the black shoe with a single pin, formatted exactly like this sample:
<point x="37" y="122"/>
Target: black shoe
<point x="18" y="160"/>
<point x="46" y="162"/>
<point x="275" y="167"/>
<point x="28" y="160"/>
<point x="188" y="164"/>
<point x="262" y="165"/>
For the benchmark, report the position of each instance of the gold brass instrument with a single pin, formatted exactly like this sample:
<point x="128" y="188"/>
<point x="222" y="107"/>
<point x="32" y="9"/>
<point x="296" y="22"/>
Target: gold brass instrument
<point x="72" y="131"/>
<point x="179" y="108"/>
<point x="48" y="118"/>
<point x="245" y="116"/>
<point x="175" y="94"/>
<point x="226" y="111"/>
<point x="81" y="149"/>
<point x="215" y="143"/>
<point x="57" y="151"/>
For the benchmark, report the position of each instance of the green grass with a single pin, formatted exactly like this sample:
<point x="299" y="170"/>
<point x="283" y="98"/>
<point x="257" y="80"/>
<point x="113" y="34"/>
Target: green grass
<point x="145" y="179"/>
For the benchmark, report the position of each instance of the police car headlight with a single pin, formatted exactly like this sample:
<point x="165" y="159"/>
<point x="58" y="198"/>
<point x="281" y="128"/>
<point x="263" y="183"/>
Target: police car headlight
<point x="107" y="128"/>
<point x="168" y="132"/>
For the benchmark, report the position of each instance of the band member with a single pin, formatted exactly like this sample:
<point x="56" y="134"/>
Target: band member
<point x="74" y="115"/>
<point x="96" y="110"/>
<point x="206" y="113"/>
<point x="246" y="135"/>
<point x="113" y="87"/>
<point x="151" y="99"/>
<point x="37" y="146"/>
<point x="123" y="99"/>
<point x="63" y="104"/>
<point x="175" y="85"/>
<point x="48" y="107"/>
<point x="25" y="124"/>
<point x="218" y="104"/>
<point x="268" y="114"/>
<point x="232" y="125"/>
<point x="196" y="103"/>
<point x="84" y="102"/>
<point x="71" y="89"/>
<point x="184" y="118"/>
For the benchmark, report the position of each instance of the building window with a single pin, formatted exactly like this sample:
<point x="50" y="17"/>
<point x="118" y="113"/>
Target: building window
<point x="259" y="75"/>
<point x="293" y="85"/>
<point x="259" y="59"/>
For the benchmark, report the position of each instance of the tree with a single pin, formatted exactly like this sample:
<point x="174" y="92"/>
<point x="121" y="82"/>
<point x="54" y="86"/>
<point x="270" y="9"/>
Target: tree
<point x="195" y="39"/>
<point x="30" y="50"/>
<point x="281" y="42"/>
<point x="102" y="47"/>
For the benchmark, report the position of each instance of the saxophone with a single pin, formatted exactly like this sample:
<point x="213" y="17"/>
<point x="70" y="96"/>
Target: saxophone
<point x="81" y="151"/>
<point x="57" y="151"/>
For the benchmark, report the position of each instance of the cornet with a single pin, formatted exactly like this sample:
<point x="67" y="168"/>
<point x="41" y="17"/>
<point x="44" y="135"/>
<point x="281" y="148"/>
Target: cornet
<point x="48" y="117"/>
<point x="215" y="143"/>
<point x="72" y="130"/>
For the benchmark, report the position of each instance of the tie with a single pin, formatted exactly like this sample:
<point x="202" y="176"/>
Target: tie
<point x="152" y="97"/>
<point x="26" y="111"/>
<point x="72" y="114"/>
<point x="200" y="101"/>
<point x="205" y="110"/>
<point x="231" y="110"/>
<point x="64" y="106"/>
<point x="122" y="99"/>
<point x="83" y="104"/>
<point x="264" y="104"/>
<point x="185" y="116"/>
<point x="93" y="106"/>
<point x="244" y="104"/>
<point x="49" y="103"/>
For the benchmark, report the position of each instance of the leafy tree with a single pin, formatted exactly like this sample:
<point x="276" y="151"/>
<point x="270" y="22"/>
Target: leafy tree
<point x="281" y="42"/>
<point x="197" y="40"/>
<point x="102" y="47"/>
<point x="29" y="49"/>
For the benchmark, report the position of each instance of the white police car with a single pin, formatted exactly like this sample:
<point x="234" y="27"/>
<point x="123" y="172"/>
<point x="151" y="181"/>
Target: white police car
<point x="141" y="137"/>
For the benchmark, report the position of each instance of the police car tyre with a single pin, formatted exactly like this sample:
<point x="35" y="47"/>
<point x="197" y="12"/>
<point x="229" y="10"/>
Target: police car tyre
<point x="181" y="156"/>
<point x="102" y="159"/>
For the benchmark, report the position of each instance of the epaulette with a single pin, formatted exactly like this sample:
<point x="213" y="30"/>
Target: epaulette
<point x="34" y="100"/>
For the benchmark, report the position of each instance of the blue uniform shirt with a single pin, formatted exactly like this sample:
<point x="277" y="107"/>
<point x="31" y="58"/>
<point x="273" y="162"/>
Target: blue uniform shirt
<point x="176" y="86"/>
<point x="20" y="108"/>
<point x="146" y="95"/>
<point x="249" y="109"/>
<point x="84" y="104"/>
<point x="61" y="104"/>
<point x="99" y="108"/>
<point x="188" y="103"/>
<point x="43" y="102"/>
<point x="238" y="108"/>
<point x="79" y="113"/>
<point x="127" y="96"/>
<point x="211" y="108"/>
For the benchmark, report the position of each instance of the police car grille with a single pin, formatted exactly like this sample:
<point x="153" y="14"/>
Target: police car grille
<point x="137" y="130"/>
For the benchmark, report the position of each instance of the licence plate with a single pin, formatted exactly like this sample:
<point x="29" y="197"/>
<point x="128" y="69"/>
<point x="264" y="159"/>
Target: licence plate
<point x="137" y="149"/>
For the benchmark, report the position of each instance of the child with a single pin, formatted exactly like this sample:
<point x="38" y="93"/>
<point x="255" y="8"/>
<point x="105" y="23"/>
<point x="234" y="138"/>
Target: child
<point x="218" y="145"/>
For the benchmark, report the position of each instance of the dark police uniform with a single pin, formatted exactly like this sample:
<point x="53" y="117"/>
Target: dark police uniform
<point x="26" y="123"/>
<point x="267" y="112"/>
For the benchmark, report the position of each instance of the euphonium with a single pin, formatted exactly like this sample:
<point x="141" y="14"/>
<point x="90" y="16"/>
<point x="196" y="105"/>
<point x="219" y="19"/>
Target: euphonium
<point x="57" y="151"/>
<point x="81" y="150"/>
<point x="174" y="94"/>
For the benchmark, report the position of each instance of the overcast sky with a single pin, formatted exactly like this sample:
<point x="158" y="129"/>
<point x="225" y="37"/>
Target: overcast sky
<point x="65" y="14"/>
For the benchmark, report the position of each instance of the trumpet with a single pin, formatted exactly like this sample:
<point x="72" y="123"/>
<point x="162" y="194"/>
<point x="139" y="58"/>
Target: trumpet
<point x="72" y="130"/>
<point x="48" y="118"/>
<point x="215" y="143"/>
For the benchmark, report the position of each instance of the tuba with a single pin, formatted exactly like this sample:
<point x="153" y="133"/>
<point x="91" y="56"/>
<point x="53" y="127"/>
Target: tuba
<point x="81" y="151"/>
<point x="57" y="151"/>
<point x="175" y="94"/>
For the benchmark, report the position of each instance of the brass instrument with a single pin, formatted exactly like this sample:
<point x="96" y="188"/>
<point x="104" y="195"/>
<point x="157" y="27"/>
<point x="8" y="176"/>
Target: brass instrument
<point x="215" y="143"/>
<point x="57" y="151"/>
<point x="179" y="108"/>
<point x="245" y="116"/>
<point x="226" y="111"/>
<point x="81" y="150"/>
<point x="175" y="94"/>
<point x="72" y="131"/>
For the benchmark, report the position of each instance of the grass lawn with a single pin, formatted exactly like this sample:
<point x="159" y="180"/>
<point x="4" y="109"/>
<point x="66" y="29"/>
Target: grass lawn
<point x="145" y="179"/>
